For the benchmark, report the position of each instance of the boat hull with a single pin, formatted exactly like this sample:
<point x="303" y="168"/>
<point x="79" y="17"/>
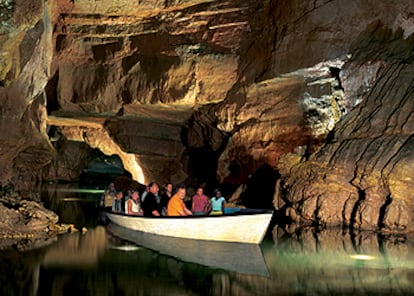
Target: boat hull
<point x="242" y="227"/>
<point x="229" y="256"/>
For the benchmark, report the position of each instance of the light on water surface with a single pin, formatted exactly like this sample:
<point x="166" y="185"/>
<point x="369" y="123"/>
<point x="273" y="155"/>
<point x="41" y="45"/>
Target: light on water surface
<point x="105" y="262"/>
<point x="362" y="257"/>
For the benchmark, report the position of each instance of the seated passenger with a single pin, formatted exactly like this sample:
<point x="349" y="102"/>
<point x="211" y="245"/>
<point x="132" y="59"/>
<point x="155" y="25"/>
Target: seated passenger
<point x="200" y="203"/>
<point x="118" y="204"/>
<point x="150" y="205"/>
<point x="176" y="206"/>
<point x="165" y="198"/>
<point x="133" y="205"/>
<point x="217" y="203"/>
<point x="108" y="196"/>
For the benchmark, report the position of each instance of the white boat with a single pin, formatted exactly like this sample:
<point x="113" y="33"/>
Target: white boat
<point x="244" y="226"/>
<point x="234" y="257"/>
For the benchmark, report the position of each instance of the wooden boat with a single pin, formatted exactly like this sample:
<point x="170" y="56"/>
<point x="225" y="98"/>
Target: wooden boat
<point x="233" y="257"/>
<point x="243" y="226"/>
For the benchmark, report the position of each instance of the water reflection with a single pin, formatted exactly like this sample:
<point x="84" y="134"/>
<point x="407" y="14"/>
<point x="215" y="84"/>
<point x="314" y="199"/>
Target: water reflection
<point x="307" y="262"/>
<point x="74" y="205"/>
<point x="103" y="261"/>
<point x="322" y="262"/>
<point x="110" y="266"/>
<point x="241" y="258"/>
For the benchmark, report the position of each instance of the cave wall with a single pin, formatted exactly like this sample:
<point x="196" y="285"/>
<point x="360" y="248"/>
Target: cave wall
<point x="361" y="177"/>
<point x="234" y="86"/>
<point x="26" y="56"/>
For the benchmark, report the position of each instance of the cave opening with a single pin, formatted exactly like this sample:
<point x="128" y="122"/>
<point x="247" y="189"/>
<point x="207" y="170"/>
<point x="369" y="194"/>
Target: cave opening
<point x="51" y="90"/>
<point x="102" y="170"/>
<point x="76" y="161"/>
<point x="260" y="188"/>
<point x="202" y="167"/>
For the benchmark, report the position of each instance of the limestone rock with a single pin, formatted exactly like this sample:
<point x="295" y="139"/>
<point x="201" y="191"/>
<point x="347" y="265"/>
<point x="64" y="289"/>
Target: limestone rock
<point x="213" y="91"/>
<point x="364" y="169"/>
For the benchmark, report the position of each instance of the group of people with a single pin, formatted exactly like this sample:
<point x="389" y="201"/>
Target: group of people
<point x="170" y="203"/>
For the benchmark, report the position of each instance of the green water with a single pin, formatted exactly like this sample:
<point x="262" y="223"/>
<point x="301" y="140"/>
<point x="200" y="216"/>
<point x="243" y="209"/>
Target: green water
<point x="300" y="262"/>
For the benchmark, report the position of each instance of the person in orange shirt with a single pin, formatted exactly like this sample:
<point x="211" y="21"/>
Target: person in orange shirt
<point x="176" y="206"/>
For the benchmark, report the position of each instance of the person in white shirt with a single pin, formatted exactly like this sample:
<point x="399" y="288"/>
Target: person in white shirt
<point x="133" y="205"/>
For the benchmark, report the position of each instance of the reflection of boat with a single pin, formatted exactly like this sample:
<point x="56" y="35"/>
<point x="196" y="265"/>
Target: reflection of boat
<point x="243" y="226"/>
<point x="77" y="249"/>
<point x="241" y="258"/>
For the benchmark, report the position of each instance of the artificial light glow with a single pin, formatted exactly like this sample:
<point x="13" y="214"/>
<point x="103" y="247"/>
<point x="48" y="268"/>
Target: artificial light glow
<point x="77" y="199"/>
<point x="362" y="257"/>
<point x="81" y="190"/>
<point x="126" y="248"/>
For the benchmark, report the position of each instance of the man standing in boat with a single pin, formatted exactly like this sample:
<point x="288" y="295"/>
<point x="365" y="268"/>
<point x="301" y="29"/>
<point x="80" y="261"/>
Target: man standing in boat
<point x="176" y="206"/>
<point x="150" y="205"/>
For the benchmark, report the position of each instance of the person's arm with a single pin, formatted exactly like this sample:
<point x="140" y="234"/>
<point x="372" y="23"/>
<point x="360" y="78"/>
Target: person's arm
<point x="187" y="212"/>
<point x="140" y="211"/>
<point x="192" y="204"/>
<point x="128" y="207"/>
<point x="222" y="204"/>
<point x="154" y="206"/>
<point x="207" y="208"/>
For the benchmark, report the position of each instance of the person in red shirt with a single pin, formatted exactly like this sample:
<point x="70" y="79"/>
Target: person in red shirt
<point x="200" y="203"/>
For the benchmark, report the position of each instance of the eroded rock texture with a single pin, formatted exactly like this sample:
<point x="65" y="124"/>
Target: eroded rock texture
<point x="362" y="176"/>
<point x="217" y="92"/>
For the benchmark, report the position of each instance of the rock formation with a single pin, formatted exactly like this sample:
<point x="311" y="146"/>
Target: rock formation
<point x="26" y="224"/>
<point x="216" y="92"/>
<point x="362" y="175"/>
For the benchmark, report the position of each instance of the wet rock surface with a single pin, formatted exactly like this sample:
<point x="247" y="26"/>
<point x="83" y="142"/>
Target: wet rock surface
<point x="25" y="223"/>
<point x="362" y="175"/>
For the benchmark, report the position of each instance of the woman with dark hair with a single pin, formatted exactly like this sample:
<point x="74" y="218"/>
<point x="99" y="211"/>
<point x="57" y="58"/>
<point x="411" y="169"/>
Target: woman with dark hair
<point x="217" y="203"/>
<point x="133" y="205"/>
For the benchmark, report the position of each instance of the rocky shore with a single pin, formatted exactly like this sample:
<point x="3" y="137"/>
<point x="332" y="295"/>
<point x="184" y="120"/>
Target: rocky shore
<point x="25" y="223"/>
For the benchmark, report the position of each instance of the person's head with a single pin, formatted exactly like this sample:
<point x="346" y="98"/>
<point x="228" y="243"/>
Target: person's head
<point x="111" y="186"/>
<point x="153" y="187"/>
<point x="200" y="191"/>
<point x="169" y="187"/>
<point x="119" y="195"/>
<point x="134" y="194"/>
<point x="217" y="192"/>
<point x="181" y="191"/>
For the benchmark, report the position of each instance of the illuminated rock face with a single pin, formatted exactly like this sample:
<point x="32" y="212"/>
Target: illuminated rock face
<point x="212" y="91"/>
<point x="362" y="175"/>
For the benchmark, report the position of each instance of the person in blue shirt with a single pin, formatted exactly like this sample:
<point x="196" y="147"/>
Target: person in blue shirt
<point x="217" y="203"/>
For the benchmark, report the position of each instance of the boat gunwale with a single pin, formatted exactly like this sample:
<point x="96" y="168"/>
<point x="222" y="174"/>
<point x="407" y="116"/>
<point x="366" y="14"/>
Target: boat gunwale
<point x="242" y="212"/>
